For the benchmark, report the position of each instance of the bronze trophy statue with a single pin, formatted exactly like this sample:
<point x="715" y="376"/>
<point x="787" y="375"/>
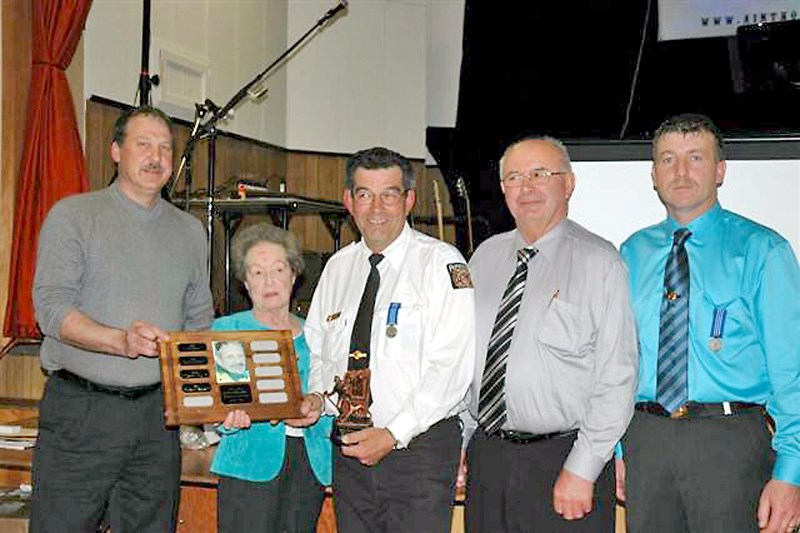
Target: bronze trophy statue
<point x="353" y="403"/>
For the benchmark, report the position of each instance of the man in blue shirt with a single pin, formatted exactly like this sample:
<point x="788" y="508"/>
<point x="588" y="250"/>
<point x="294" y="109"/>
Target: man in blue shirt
<point x="697" y="453"/>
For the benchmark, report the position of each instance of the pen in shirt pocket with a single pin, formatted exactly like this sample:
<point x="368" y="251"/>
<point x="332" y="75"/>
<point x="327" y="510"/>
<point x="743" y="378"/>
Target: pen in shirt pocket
<point x="553" y="297"/>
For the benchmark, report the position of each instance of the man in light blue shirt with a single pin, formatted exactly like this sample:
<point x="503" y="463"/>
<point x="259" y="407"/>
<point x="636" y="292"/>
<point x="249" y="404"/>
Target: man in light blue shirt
<point x="708" y="465"/>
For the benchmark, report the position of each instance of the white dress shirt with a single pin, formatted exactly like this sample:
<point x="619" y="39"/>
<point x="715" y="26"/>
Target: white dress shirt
<point x="420" y="375"/>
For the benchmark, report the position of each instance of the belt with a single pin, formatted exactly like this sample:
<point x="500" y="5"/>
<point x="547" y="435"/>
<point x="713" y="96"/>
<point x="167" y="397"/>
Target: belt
<point x="698" y="410"/>
<point x="128" y="393"/>
<point x="523" y="437"/>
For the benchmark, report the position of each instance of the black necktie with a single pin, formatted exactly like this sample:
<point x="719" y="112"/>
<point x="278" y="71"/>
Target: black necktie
<point x="362" y="327"/>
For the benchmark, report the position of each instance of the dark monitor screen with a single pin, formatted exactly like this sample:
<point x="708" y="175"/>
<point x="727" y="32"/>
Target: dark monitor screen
<point x="768" y="58"/>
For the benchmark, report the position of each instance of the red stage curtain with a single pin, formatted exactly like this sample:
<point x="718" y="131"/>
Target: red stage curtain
<point x="52" y="160"/>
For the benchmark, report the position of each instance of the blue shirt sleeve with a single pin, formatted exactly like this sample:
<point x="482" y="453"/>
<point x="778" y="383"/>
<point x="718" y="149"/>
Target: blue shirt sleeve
<point x="777" y="304"/>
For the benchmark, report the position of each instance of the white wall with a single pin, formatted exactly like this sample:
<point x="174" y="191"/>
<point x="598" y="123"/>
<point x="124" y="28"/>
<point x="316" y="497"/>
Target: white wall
<point x="445" y="36"/>
<point x="616" y="199"/>
<point x="228" y="36"/>
<point x="275" y="106"/>
<point x="361" y="82"/>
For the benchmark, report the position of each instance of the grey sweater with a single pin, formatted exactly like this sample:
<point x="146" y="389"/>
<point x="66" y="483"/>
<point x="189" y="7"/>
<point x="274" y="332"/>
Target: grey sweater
<point x="117" y="262"/>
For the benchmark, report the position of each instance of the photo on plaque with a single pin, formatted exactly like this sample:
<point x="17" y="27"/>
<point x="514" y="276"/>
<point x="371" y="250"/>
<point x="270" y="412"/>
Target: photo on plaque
<point x="230" y="362"/>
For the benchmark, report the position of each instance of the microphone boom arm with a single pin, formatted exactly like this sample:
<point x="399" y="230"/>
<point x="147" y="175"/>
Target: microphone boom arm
<point x="216" y="114"/>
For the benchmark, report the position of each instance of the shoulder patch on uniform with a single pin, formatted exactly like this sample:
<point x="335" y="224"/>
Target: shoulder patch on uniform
<point x="459" y="276"/>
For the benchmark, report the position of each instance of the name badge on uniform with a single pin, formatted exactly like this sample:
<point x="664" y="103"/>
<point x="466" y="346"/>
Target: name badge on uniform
<point x="391" y="319"/>
<point x="717" y="329"/>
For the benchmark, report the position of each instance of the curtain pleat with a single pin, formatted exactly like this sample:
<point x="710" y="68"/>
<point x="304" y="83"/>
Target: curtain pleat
<point x="52" y="162"/>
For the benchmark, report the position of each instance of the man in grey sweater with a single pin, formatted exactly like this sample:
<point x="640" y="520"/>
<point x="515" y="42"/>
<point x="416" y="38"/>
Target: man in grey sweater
<point x="116" y="269"/>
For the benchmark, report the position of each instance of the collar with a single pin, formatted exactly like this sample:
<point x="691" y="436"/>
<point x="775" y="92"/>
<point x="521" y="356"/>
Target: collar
<point x="394" y="254"/>
<point x="544" y="244"/>
<point x="702" y="227"/>
<point x="141" y="214"/>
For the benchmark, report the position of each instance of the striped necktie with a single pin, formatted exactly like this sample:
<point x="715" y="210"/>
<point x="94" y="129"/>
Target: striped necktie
<point x="492" y="404"/>
<point x="673" y="333"/>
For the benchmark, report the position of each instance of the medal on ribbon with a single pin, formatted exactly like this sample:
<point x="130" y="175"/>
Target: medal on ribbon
<point x="391" y="319"/>
<point x="717" y="329"/>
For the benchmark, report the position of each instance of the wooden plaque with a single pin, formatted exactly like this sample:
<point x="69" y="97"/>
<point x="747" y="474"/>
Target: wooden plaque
<point x="207" y="374"/>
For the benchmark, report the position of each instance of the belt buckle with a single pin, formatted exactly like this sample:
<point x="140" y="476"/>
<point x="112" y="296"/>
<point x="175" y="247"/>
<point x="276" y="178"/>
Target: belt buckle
<point x="681" y="412"/>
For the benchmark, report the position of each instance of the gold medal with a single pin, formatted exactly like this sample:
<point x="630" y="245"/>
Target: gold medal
<point x="715" y="344"/>
<point x="391" y="331"/>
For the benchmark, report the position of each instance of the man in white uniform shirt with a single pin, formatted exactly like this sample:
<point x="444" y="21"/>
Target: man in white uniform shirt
<point x="399" y="474"/>
<point x="555" y="366"/>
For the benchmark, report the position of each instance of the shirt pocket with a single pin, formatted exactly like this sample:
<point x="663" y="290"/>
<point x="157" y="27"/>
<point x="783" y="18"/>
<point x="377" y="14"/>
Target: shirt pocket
<point x="334" y="338"/>
<point x="736" y="333"/>
<point x="566" y="330"/>
<point x="405" y="344"/>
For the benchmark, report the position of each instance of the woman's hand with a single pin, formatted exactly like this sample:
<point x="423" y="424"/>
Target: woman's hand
<point x="237" y="419"/>
<point x="310" y="408"/>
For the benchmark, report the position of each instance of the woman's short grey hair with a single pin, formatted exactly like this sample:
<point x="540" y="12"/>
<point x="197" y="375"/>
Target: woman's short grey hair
<point x="255" y="234"/>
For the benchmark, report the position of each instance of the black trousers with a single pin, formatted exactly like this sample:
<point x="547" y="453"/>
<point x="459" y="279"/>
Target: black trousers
<point x="410" y="490"/>
<point x="510" y="488"/>
<point x="93" y="443"/>
<point x="290" y="503"/>
<point x="703" y="475"/>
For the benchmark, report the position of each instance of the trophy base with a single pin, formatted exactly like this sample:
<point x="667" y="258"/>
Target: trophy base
<point x="341" y="429"/>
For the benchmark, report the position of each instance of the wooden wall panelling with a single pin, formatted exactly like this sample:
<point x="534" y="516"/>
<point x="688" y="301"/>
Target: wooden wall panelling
<point x="99" y="130"/>
<point x="318" y="176"/>
<point x="301" y="178"/>
<point x="21" y="377"/>
<point x="425" y="201"/>
<point x="198" y="509"/>
<point x="426" y="205"/>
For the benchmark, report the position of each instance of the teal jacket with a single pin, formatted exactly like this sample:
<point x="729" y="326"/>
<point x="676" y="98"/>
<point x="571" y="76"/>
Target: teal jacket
<point x="257" y="453"/>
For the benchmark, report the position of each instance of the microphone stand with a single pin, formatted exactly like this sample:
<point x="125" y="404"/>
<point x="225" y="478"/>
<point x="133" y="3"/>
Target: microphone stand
<point x="212" y="114"/>
<point x="215" y="113"/>
<point x="146" y="82"/>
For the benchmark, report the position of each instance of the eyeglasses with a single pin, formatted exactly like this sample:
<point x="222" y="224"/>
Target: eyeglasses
<point x="539" y="175"/>
<point x="389" y="197"/>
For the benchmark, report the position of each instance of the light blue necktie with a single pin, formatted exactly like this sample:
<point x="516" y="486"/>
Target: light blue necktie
<point x="673" y="333"/>
<point x="492" y="403"/>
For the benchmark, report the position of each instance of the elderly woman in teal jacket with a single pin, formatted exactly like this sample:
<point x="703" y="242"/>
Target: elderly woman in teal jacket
<point x="272" y="476"/>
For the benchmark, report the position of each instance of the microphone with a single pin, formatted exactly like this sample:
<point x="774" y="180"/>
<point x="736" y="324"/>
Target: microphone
<point x="335" y="9"/>
<point x="211" y="106"/>
<point x="258" y="92"/>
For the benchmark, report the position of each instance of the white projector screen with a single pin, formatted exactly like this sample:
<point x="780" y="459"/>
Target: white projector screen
<point x="689" y="19"/>
<point x="614" y="199"/>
